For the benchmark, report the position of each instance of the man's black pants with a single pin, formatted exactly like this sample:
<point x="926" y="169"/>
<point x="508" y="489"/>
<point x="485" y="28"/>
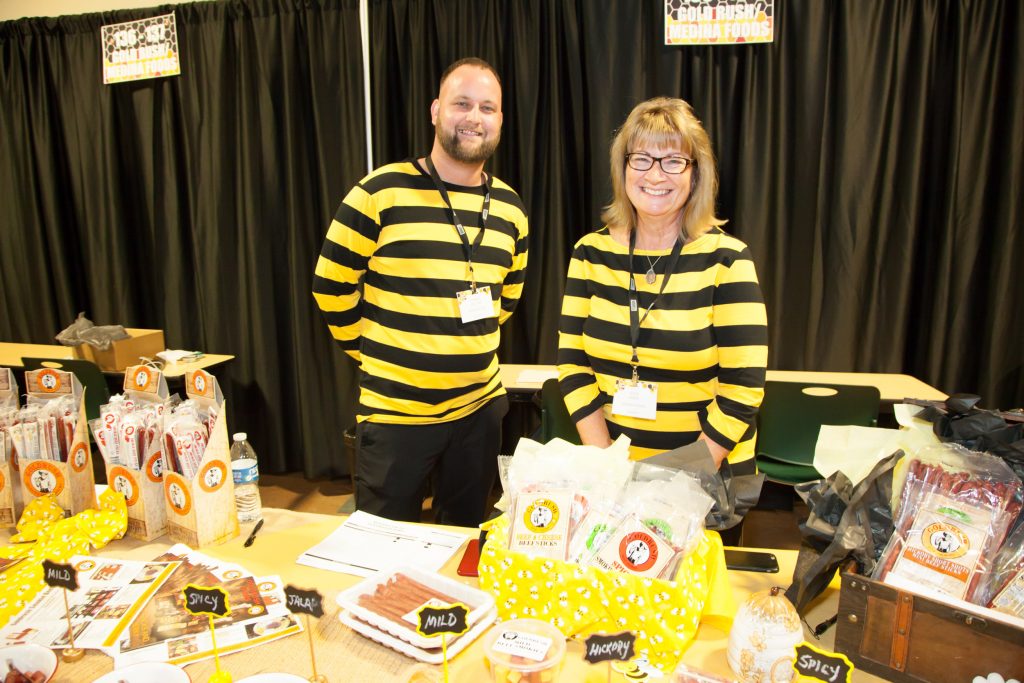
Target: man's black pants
<point x="395" y="461"/>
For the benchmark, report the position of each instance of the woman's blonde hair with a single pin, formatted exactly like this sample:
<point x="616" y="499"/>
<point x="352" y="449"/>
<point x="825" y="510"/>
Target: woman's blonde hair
<point x="662" y="122"/>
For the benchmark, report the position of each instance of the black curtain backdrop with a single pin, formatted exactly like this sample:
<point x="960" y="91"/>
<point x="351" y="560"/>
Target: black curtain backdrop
<point x="196" y="204"/>
<point x="871" y="157"/>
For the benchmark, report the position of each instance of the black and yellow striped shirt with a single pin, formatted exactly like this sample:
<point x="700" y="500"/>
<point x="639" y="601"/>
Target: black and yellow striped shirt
<point x="705" y="343"/>
<point x="393" y="239"/>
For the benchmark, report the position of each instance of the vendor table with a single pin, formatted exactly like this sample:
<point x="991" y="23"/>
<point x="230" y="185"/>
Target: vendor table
<point x="892" y="387"/>
<point x="344" y="655"/>
<point x="11" y="354"/>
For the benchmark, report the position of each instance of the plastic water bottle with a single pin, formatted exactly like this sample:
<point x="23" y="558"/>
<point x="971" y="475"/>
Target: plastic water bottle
<point x="246" y="473"/>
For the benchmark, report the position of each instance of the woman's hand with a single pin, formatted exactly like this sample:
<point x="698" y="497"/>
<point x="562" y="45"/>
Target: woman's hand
<point x="594" y="430"/>
<point x="719" y="453"/>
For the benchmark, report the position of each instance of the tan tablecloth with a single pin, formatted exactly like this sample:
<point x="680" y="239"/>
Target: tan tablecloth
<point x="343" y="655"/>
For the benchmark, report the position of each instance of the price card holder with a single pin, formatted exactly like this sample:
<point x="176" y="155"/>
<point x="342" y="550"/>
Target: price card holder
<point x="143" y="489"/>
<point x="443" y="621"/>
<point x="201" y="511"/>
<point x="71" y="483"/>
<point x="822" y="665"/>
<point x="64" y="577"/>
<point x="619" y="647"/>
<point x="11" y="503"/>
<point x="310" y="603"/>
<point x="212" y="602"/>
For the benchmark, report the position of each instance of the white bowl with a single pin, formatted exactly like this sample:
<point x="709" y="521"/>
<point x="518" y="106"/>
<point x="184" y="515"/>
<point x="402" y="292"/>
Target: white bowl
<point x="28" y="658"/>
<point x="146" y="672"/>
<point x="273" y="678"/>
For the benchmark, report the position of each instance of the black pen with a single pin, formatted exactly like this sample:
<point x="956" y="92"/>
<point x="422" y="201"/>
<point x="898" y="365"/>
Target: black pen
<point x="252" y="536"/>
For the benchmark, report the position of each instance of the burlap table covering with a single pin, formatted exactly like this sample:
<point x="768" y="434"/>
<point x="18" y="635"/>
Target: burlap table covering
<point x="341" y="654"/>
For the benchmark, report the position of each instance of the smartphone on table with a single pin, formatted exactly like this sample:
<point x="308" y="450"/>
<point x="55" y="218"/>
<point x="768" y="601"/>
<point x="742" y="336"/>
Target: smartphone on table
<point x="751" y="561"/>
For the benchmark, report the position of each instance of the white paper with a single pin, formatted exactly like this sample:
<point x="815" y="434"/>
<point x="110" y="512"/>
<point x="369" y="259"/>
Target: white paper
<point x="364" y="544"/>
<point x="110" y="594"/>
<point x="856" y="450"/>
<point x="536" y="376"/>
<point x="258" y="614"/>
<point x="174" y="355"/>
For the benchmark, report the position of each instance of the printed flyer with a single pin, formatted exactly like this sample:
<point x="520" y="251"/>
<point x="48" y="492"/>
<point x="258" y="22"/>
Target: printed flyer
<point x="110" y="595"/>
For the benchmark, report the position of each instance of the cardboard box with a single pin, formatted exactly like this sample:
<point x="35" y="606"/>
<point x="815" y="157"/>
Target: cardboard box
<point x="201" y="510"/>
<point x="10" y="492"/>
<point x="143" y="489"/>
<point x="910" y="638"/>
<point x="72" y="482"/>
<point x="125" y="352"/>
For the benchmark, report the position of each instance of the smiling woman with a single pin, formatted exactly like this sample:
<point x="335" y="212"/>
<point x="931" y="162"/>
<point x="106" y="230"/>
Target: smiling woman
<point x="678" y="355"/>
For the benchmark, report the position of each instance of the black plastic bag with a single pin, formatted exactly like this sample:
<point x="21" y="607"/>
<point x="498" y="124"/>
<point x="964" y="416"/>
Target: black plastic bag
<point x="959" y="420"/>
<point x="845" y="522"/>
<point x="734" y="488"/>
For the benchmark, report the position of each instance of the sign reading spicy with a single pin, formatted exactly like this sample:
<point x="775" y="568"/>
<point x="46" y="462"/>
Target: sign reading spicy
<point x="200" y="600"/>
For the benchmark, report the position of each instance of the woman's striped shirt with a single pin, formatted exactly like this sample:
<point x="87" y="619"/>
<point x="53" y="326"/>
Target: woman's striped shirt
<point x="387" y="279"/>
<point x="705" y="343"/>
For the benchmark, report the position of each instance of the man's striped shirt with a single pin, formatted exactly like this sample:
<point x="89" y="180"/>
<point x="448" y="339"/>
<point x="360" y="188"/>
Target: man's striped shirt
<point x="387" y="280"/>
<point x="705" y="342"/>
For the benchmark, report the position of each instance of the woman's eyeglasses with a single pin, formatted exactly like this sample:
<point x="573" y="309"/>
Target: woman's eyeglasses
<point x="638" y="161"/>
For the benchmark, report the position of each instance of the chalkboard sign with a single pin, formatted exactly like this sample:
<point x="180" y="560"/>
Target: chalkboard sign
<point x="434" y="620"/>
<point x="822" y="665"/>
<point x="60" y="575"/>
<point x="304" y="602"/>
<point x="602" y="648"/>
<point x="201" y="600"/>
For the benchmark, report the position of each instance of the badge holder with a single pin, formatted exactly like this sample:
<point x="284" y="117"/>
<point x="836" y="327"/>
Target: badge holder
<point x="70" y="482"/>
<point x="201" y="511"/>
<point x="143" y="488"/>
<point x="635" y="398"/>
<point x="11" y="503"/>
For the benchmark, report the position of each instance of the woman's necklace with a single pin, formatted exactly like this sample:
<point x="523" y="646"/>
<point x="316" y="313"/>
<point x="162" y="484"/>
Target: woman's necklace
<point x="651" y="276"/>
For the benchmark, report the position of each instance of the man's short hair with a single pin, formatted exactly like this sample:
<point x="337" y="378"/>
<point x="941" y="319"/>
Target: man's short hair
<point x="467" y="61"/>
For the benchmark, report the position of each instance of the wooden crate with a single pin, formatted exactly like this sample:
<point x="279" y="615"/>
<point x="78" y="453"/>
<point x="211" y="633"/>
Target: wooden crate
<point x="910" y="638"/>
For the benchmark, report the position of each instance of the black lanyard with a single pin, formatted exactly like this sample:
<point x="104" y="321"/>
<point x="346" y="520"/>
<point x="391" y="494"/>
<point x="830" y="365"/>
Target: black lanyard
<point x="469" y="251"/>
<point x="635" y="321"/>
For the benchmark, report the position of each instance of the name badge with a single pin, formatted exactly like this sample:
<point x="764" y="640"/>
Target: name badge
<point x="635" y="400"/>
<point x="476" y="306"/>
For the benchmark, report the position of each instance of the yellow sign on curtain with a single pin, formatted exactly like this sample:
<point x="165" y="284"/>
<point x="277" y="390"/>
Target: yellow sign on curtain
<point x="144" y="48"/>
<point x="719" y="22"/>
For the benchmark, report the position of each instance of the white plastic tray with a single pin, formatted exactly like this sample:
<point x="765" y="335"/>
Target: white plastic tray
<point x="478" y="602"/>
<point x="435" y="656"/>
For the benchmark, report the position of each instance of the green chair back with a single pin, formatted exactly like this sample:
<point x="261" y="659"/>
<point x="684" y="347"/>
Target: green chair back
<point x="555" y="421"/>
<point x="89" y="375"/>
<point x="791" y="416"/>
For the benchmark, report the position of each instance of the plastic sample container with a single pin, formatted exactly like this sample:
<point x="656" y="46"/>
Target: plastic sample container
<point x="524" y="651"/>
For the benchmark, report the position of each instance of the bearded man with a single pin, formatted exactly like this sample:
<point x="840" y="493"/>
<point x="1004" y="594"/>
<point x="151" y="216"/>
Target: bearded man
<point x="423" y="262"/>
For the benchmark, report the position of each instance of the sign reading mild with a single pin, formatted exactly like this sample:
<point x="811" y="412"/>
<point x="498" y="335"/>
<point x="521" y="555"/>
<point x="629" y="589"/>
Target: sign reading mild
<point x="58" y="575"/>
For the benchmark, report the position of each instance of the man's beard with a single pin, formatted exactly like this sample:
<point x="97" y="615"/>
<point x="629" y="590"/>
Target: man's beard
<point x="451" y="145"/>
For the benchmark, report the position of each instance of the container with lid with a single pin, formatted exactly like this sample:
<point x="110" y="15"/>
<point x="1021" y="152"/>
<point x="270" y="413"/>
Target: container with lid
<point x="524" y="651"/>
